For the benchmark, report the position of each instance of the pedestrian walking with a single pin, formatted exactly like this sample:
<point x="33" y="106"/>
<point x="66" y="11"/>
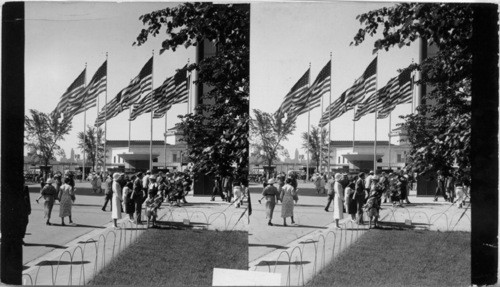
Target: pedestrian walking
<point x="329" y="191"/>
<point x="128" y="201"/>
<point x="359" y="197"/>
<point x="26" y="210"/>
<point x="66" y="199"/>
<point x="108" y="192"/>
<point x="350" y="201"/>
<point x="338" y="200"/>
<point x="450" y="188"/>
<point x="271" y="194"/>
<point x="99" y="183"/>
<point x="440" y="189"/>
<point x="116" y="201"/>
<point x="49" y="194"/>
<point x="288" y="195"/>
<point x="138" y="197"/>
<point x="217" y="190"/>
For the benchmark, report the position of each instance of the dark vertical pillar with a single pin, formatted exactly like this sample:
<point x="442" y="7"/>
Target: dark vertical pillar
<point x="12" y="117"/>
<point x="484" y="191"/>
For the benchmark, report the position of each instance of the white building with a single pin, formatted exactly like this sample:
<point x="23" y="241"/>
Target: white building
<point x="166" y="155"/>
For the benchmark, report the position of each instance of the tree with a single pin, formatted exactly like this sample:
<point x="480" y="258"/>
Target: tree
<point x="267" y="132"/>
<point x="87" y="142"/>
<point x="217" y="134"/>
<point x="316" y="143"/>
<point x="42" y="133"/>
<point x="440" y="133"/>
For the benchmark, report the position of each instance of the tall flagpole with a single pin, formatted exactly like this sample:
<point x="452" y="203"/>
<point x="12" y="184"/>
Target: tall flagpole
<point x="165" y="143"/>
<point x="96" y="142"/>
<point x="105" y="114"/>
<point x="354" y="126"/>
<point x="129" y="124"/>
<point x="376" y="113"/>
<point x="308" y="125"/>
<point x="390" y="140"/>
<point x="151" y="114"/>
<point x="329" y="113"/>
<point x="189" y="95"/>
<point x="84" y="128"/>
<point x="321" y="140"/>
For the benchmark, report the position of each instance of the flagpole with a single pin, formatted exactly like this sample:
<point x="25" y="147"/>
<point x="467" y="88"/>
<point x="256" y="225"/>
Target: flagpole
<point x="329" y="113"/>
<point x="84" y="128"/>
<point x="354" y="126"/>
<point x="189" y="95"/>
<point x="376" y="113"/>
<point x="151" y="114"/>
<point x="412" y="93"/>
<point x="308" y="125"/>
<point x="129" y="125"/>
<point x="105" y="114"/>
<point x="96" y="141"/>
<point x="321" y="140"/>
<point x="390" y="140"/>
<point x="165" y="143"/>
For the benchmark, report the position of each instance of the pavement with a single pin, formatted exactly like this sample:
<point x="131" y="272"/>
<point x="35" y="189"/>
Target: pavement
<point x="72" y="255"/>
<point x="299" y="252"/>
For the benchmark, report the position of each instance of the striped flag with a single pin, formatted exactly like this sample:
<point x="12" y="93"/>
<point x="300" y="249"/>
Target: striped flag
<point x="143" y="106"/>
<point x="138" y="86"/>
<point x="319" y="87"/>
<point x="110" y="110"/>
<point x="405" y="87"/>
<point x="363" y="86"/>
<point x="174" y="90"/>
<point x="392" y="90"/>
<point x="333" y="111"/>
<point x="296" y="95"/>
<point x="74" y="91"/>
<point x="368" y="106"/>
<point x="96" y="86"/>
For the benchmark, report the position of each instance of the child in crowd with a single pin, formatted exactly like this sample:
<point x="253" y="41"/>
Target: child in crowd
<point x="152" y="205"/>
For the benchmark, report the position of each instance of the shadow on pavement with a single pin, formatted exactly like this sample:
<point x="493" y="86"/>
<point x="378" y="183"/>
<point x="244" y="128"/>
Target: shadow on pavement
<point x="46" y="245"/>
<point x="267" y="245"/>
<point x="308" y="226"/>
<point x="55" y="262"/>
<point x="272" y="263"/>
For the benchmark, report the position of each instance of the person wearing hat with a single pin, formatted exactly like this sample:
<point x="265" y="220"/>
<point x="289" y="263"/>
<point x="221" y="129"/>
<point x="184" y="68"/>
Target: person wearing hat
<point x="359" y="197"/>
<point x="49" y="194"/>
<point x="138" y="197"/>
<point x="153" y="185"/>
<point x="116" y="201"/>
<point x="145" y="184"/>
<point x="338" y="200"/>
<point x="108" y="192"/>
<point x="66" y="199"/>
<point x="271" y="194"/>
<point x="368" y="181"/>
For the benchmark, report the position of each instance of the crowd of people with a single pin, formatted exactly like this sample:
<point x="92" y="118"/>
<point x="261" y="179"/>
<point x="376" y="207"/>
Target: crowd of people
<point x="231" y="189"/>
<point x="286" y="191"/>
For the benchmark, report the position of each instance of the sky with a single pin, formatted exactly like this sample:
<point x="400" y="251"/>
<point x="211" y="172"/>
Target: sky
<point x="61" y="37"/>
<point x="287" y="37"/>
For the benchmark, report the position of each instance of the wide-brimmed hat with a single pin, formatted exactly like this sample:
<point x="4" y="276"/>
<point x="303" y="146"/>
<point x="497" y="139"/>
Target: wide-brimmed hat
<point x="371" y="172"/>
<point x="148" y="171"/>
<point x="116" y="176"/>
<point x="271" y="181"/>
<point x="49" y="181"/>
<point x="338" y="176"/>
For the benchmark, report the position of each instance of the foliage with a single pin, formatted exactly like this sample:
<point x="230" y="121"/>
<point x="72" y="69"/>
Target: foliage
<point x="440" y="134"/>
<point x="316" y="143"/>
<point x="267" y="131"/>
<point x="42" y="132"/>
<point x="217" y="133"/>
<point x="88" y="142"/>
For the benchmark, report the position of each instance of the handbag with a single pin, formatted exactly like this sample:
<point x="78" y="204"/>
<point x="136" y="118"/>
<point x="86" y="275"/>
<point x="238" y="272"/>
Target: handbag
<point x="73" y="197"/>
<point x="295" y="197"/>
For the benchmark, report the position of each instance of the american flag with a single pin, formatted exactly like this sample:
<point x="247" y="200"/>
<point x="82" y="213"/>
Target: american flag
<point x="368" y="106"/>
<point x="405" y="87"/>
<point x="363" y="86"/>
<point x="74" y="91"/>
<point x="392" y="90"/>
<point x="295" y="97"/>
<point x="111" y="109"/>
<point x="319" y="87"/>
<point x="96" y="86"/>
<point x="174" y="90"/>
<point x="143" y="106"/>
<point x="333" y="111"/>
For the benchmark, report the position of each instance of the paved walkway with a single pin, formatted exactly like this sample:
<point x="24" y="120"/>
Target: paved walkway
<point x="299" y="252"/>
<point x="72" y="255"/>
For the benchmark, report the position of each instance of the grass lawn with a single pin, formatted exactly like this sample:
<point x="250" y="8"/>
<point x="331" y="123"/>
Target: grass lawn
<point x="170" y="257"/>
<point x="401" y="258"/>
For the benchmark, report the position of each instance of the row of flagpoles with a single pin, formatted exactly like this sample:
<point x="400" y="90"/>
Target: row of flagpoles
<point x="138" y="97"/>
<point x="363" y="97"/>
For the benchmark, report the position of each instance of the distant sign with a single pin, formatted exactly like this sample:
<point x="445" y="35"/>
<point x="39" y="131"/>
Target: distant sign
<point x="233" y="277"/>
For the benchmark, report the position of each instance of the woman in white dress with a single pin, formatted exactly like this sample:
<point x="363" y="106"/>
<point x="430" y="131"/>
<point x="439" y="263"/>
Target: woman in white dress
<point x="287" y="196"/>
<point x="116" y="201"/>
<point x="338" y="200"/>
<point x="66" y="197"/>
